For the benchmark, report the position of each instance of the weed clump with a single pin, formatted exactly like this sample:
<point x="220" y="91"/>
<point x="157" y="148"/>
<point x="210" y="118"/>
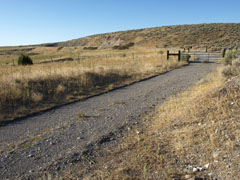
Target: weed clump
<point x="230" y="56"/>
<point x="24" y="60"/>
<point x="232" y="70"/>
<point x="233" y="64"/>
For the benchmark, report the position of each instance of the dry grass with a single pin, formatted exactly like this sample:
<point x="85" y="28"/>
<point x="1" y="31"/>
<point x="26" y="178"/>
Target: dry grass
<point x="39" y="54"/>
<point x="215" y="36"/>
<point x="193" y="135"/>
<point x="28" y="89"/>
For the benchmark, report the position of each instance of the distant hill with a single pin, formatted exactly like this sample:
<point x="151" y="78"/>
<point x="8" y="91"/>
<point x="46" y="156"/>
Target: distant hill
<point x="215" y="36"/>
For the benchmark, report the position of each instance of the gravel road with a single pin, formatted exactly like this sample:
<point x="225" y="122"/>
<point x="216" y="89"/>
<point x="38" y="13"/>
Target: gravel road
<point x="36" y="142"/>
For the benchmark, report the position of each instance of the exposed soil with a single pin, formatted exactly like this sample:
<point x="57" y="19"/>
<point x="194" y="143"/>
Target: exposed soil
<point x="56" y="139"/>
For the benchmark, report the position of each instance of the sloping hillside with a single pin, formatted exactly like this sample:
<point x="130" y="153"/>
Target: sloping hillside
<point x="215" y="36"/>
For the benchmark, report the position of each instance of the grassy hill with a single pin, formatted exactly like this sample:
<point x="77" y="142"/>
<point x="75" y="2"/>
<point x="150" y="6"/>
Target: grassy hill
<point x="215" y="36"/>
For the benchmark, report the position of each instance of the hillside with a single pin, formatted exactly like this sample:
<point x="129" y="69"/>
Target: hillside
<point x="215" y="36"/>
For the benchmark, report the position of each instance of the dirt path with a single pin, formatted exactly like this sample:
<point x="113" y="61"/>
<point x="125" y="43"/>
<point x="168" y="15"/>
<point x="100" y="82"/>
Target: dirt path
<point x="48" y="139"/>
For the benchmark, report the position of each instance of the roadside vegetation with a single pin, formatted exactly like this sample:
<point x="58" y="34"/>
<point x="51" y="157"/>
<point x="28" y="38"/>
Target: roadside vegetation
<point x="194" y="135"/>
<point x="28" y="89"/>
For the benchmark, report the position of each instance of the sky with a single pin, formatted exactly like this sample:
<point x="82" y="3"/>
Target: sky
<point x="25" y="22"/>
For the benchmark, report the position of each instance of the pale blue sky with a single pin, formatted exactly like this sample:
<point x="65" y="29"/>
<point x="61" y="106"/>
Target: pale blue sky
<point x="40" y="21"/>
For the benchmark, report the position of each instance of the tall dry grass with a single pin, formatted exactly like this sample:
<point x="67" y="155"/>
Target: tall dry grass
<point x="28" y="89"/>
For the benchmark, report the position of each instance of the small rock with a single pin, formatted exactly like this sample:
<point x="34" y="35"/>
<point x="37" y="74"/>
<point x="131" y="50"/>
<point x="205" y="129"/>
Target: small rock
<point x="139" y="132"/>
<point x="51" y="143"/>
<point x="188" y="176"/>
<point x="206" y="165"/>
<point x="195" y="169"/>
<point x="30" y="155"/>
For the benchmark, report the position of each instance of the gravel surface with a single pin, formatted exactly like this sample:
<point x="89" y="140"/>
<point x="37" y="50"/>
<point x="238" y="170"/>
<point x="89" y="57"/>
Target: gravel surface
<point x="50" y="138"/>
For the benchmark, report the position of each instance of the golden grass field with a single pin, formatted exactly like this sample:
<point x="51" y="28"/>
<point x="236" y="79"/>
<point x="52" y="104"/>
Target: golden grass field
<point x="28" y="89"/>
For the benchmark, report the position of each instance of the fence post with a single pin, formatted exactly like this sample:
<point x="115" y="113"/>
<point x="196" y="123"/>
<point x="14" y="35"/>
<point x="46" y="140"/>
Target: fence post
<point x="179" y="55"/>
<point x="224" y="52"/>
<point x="167" y="54"/>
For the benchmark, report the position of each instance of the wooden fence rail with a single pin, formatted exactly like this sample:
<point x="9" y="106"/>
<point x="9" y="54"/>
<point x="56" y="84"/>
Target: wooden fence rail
<point x="174" y="54"/>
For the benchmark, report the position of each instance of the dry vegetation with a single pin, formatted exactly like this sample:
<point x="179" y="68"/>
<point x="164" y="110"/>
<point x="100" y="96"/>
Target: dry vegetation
<point x="28" y="89"/>
<point x="194" y="135"/>
<point x="215" y="36"/>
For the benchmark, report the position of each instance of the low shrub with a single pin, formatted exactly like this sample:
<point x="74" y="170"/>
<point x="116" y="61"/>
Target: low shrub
<point x="90" y="48"/>
<point x="160" y="52"/>
<point x="24" y="60"/>
<point x="229" y="56"/>
<point x="233" y="69"/>
<point x="125" y="46"/>
<point x="236" y="62"/>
